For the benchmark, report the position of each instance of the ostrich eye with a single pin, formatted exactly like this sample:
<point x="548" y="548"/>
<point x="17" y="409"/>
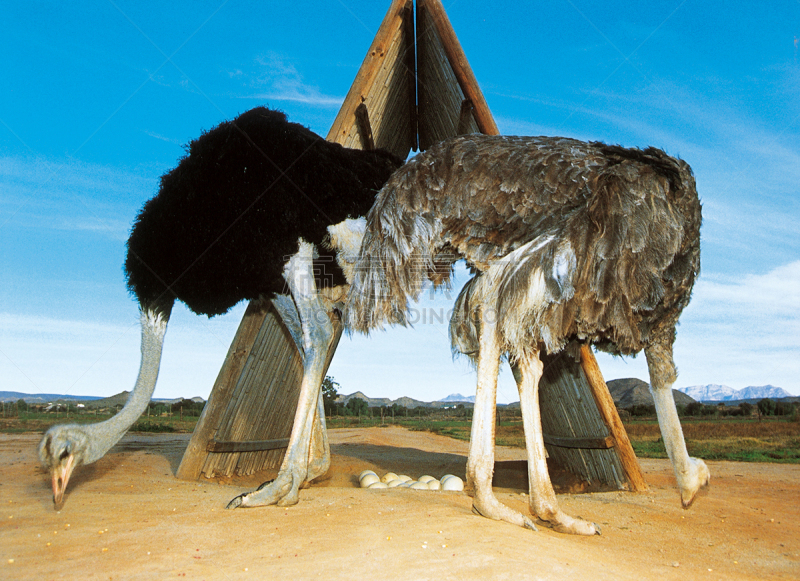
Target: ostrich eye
<point x="64" y="454"/>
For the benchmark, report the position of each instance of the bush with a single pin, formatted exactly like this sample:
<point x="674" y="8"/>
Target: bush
<point x="642" y="410"/>
<point x="766" y="407"/>
<point x="329" y="394"/>
<point x="698" y="409"/>
<point x="357" y="407"/>
<point x="151" y="427"/>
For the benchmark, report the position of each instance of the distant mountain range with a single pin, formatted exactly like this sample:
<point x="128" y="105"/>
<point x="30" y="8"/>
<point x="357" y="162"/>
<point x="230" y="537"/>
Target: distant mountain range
<point x="626" y="392"/>
<point x="716" y="393"/>
<point x="458" y="398"/>
<point x="630" y="392"/>
<point x="90" y="401"/>
<point x="450" y="400"/>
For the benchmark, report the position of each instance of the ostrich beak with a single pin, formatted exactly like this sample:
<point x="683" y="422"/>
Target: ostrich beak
<point x="61" y="474"/>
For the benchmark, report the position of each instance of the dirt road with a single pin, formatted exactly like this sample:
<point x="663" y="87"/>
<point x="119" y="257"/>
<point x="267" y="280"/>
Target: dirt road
<point x="127" y="517"/>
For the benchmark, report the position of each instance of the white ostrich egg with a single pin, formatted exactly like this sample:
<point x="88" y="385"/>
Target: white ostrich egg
<point x="395" y="483"/>
<point x="405" y="478"/>
<point x="364" y="473"/>
<point x="445" y="477"/>
<point x="378" y="485"/>
<point x="425" y="478"/>
<point x="453" y="483"/>
<point x="434" y="484"/>
<point x="369" y="479"/>
<point x="419" y="486"/>
<point x="388" y="477"/>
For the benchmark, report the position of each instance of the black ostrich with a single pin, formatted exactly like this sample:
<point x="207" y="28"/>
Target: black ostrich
<point x="573" y="244"/>
<point x="249" y="194"/>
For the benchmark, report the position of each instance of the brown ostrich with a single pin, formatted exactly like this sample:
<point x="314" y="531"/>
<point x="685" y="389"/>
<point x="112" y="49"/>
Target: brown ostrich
<point x="572" y="243"/>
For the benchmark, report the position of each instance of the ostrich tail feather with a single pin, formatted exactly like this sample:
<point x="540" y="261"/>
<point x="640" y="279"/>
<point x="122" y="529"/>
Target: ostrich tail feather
<point x="401" y="250"/>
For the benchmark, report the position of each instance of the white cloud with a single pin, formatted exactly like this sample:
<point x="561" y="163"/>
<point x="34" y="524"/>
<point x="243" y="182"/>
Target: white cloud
<point x="774" y="294"/>
<point x="278" y="80"/>
<point x="741" y="332"/>
<point x="162" y="138"/>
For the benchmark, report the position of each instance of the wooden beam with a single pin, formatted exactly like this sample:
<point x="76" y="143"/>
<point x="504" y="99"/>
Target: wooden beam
<point x="364" y="127"/>
<point x="253" y="446"/>
<point x="608" y="411"/>
<point x="464" y="116"/>
<point x="460" y="65"/>
<point x="581" y="443"/>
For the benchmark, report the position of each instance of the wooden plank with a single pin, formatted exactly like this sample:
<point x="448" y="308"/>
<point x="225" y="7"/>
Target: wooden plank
<point x="608" y="411"/>
<point x="195" y="455"/>
<point x="582" y="443"/>
<point x="569" y="411"/>
<point x="251" y="446"/>
<point x="367" y="73"/>
<point x="464" y="117"/>
<point x="364" y="127"/>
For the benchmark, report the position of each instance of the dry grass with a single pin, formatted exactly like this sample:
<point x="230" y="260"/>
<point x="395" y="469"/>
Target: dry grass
<point x="772" y="440"/>
<point x="713" y="429"/>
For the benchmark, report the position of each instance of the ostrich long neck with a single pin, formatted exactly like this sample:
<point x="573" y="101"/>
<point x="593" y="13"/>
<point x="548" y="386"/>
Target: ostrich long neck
<point x="103" y="435"/>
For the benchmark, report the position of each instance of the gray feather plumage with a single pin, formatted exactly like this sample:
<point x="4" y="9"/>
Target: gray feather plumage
<point x="613" y="233"/>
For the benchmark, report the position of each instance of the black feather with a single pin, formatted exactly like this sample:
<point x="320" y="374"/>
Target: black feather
<point x="229" y="215"/>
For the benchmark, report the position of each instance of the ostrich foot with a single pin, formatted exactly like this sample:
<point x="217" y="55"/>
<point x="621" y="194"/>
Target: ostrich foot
<point x="283" y="491"/>
<point x="495" y="510"/>
<point x="693" y="480"/>
<point x="317" y="468"/>
<point x="563" y="523"/>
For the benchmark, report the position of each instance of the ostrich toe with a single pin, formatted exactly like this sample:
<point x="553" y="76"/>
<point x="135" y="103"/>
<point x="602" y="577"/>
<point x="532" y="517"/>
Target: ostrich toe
<point x="565" y="524"/>
<point x="495" y="510"/>
<point x="283" y="491"/>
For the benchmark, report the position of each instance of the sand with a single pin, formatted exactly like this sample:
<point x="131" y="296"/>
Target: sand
<point x="127" y="517"/>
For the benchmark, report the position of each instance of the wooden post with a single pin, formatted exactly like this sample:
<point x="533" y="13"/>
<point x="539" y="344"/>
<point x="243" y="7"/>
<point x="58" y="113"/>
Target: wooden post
<point x="608" y="411"/>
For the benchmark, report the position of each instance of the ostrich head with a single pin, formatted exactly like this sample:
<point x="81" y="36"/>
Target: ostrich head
<point x="66" y="447"/>
<point x="62" y="449"/>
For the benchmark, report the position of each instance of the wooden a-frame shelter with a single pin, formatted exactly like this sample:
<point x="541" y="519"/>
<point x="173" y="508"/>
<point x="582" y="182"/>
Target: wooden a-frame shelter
<point x="414" y="88"/>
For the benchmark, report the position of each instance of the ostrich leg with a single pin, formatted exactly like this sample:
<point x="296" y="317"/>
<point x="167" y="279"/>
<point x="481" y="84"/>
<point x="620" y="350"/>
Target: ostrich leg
<point x="318" y="333"/>
<point x="319" y="452"/>
<point x="691" y="473"/>
<point x="480" y="462"/>
<point x="542" y="497"/>
<point x="319" y="455"/>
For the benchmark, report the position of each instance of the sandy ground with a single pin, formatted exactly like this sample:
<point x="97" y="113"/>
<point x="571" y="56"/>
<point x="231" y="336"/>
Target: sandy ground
<point x="127" y="517"/>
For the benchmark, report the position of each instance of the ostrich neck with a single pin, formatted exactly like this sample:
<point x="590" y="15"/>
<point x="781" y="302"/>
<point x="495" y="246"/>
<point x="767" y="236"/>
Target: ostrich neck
<point x="103" y="435"/>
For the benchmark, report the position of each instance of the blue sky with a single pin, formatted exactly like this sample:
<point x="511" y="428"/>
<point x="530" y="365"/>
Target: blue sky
<point x="99" y="97"/>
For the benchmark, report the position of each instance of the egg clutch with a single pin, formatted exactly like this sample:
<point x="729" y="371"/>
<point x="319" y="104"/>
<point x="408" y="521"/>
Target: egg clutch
<point x="369" y="479"/>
